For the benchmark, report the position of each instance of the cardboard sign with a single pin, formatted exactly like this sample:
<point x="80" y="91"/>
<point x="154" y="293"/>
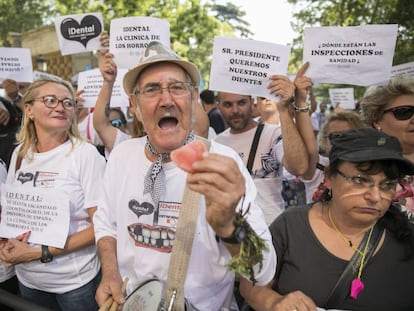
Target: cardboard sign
<point x="91" y="82"/>
<point x="356" y="55"/>
<point x="243" y="66"/>
<point x="16" y="64"/>
<point x="131" y="35"/>
<point x="343" y="97"/>
<point x="79" y="33"/>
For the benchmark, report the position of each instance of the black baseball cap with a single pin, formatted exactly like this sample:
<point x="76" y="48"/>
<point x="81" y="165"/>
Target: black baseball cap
<point x="368" y="144"/>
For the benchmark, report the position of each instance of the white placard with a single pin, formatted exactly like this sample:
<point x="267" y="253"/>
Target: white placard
<point x="79" y="33"/>
<point x="131" y="35"/>
<point x="16" y="64"/>
<point x="243" y="66"/>
<point x="343" y="97"/>
<point x="355" y="55"/>
<point x="44" y="212"/>
<point x="406" y="69"/>
<point x="91" y="82"/>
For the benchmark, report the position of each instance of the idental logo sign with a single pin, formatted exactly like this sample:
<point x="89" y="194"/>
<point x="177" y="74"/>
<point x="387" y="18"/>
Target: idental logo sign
<point x="89" y="28"/>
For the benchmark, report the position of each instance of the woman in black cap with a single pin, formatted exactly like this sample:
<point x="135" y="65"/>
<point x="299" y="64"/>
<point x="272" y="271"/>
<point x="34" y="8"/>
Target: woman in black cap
<point x="354" y="250"/>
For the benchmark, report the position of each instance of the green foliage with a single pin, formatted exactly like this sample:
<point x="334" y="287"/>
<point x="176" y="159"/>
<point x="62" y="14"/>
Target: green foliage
<point x="20" y="16"/>
<point x="315" y="13"/>
<point x="193" y="25"/>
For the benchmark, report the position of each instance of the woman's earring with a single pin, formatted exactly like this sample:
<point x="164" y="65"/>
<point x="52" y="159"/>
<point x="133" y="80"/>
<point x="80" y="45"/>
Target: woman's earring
<point x="329" y="193"/>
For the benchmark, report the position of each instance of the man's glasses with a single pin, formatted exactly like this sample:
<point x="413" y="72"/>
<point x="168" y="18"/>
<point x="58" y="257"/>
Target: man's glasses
<point x="116" y="123"/>
<point x="51" y="101"/>
<point x="402" y="112"/>
<point x="154" y="90"/>
<point x="362" y="182"/>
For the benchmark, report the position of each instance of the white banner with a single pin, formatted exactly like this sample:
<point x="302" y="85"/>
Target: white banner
<point x="356" y="55"/>
<point x="91" y="82"/>
<point x="16" y="64"/>
<point x="406" y="69"/>
<point x="243" y="66"/>
<point x="44" y="212"/>
<point x="342" y="97"/>
<point x="131" y="35"/>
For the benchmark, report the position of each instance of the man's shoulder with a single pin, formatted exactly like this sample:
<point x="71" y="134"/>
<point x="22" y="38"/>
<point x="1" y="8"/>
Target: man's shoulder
<point x="128" y="147"/>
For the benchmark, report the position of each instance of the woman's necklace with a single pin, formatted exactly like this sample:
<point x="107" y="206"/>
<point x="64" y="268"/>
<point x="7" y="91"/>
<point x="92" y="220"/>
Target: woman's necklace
<point x="357" y="285"/>
<point x="346" y="240"/>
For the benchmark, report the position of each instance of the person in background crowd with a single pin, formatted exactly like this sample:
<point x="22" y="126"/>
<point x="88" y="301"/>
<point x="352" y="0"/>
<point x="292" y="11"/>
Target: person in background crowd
<point x="337" y="121"/>
<point x="117" y="119"/>
<point x="273" y="153"/>
<point x="15" y="91"/>
<point x="163" y="90"/>
<point x="268" y="111"/>
<point x="10" y="119"/>
<point x="53" y="158"/>
<point x="355" y="218"/>
<point x="208" y="100"/>
<point x="390" y="108"/>
<point x="8" y="280"/>
<point x="85" y="120"/>
<point x="318" y="117"/>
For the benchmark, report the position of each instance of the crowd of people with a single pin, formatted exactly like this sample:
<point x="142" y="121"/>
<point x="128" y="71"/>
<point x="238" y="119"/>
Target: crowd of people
<point x="298" y="208"/>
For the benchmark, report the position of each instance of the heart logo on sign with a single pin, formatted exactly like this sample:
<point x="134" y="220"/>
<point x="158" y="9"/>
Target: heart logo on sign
<point x="89" y="28"/>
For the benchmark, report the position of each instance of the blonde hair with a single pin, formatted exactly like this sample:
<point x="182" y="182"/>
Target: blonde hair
<point x="137" y="129"/>
<point x="27" y="134"/>
<point x="377" y="97"/>
<point x="353" y="119"/>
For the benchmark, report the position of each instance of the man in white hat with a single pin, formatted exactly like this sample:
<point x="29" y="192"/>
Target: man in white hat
<point x="136" y="223"/>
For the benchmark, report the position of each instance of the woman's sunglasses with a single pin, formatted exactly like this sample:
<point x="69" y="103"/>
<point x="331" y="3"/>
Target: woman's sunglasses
<point x="116" y="123"/>
<point x="402" y="112"/>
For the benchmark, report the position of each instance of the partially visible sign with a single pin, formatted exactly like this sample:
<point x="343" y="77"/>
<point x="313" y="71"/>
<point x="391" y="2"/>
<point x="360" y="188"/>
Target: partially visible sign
<point x="90" y="82"/>
<point x="342" y="97"/>
<point x="16" y="64"/>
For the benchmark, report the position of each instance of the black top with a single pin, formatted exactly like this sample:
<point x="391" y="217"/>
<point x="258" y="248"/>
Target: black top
<point x="304" y="264"/>
<point x="216" y="120"/>
<point x="8" y="131"/>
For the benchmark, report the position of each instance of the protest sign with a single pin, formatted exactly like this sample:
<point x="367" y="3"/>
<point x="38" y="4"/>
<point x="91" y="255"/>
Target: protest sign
<point x="243" y="66"/>
<point x="356" y="55"/>
<point x="79" y="33"/>
<point x="43" y="212"/>
<point x="91" y="82"/>
<point x="16" y="64"/>
<point x="41" y="74"/>
<point x="406" y="69"/>
<point x="131" y="35"/>
<point x="343" y="97"/>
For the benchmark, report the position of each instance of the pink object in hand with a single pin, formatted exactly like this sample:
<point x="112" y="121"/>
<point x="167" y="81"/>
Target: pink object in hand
<point x="356" y="287"/>
<point x="186" y="155"/>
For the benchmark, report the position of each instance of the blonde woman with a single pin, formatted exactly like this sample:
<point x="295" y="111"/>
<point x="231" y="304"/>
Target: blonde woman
<point x="53" y="158"/>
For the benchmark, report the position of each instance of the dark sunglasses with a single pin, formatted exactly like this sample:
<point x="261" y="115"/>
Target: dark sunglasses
<point x="402" y="112"/>
<point x="116" y="123"/>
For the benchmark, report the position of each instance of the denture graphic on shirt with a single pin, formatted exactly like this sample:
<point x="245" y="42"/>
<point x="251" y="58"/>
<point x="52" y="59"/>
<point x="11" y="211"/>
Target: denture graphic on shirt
<point x="159" y="238"/>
